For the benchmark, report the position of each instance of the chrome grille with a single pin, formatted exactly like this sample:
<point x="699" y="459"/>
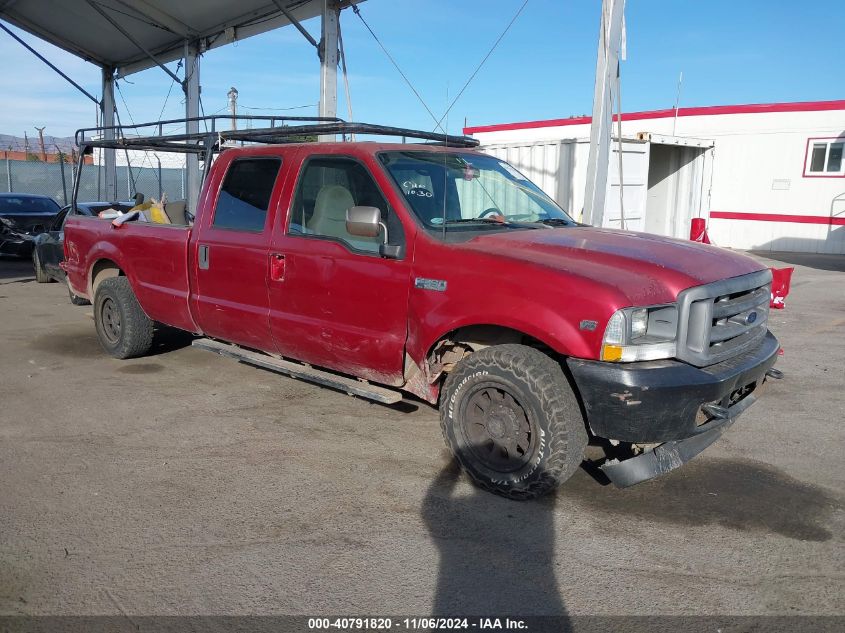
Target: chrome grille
<point x="723" y="319"/>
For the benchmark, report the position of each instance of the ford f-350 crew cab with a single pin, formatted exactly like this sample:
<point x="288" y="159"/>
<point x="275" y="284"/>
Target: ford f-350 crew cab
<point x="377" y="268"/>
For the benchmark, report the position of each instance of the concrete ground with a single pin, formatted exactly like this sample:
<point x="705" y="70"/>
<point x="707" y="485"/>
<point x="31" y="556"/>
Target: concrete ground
<point x="186" y="483"/>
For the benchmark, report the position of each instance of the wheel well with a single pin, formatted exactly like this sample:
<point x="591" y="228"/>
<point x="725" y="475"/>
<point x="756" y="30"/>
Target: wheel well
<point x="457" y="344"/>
<point x="103" y="269"/>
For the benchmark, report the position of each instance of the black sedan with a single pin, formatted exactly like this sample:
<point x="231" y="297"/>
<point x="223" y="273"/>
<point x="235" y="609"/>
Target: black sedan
<point x="23" y="215"/>
<point x="48" y="252"/>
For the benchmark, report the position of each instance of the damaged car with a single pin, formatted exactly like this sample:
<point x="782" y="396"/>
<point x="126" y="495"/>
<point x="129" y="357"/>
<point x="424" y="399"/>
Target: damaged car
<point x="22" y="216"/>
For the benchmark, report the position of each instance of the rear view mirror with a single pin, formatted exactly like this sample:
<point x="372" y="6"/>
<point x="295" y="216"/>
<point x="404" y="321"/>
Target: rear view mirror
<point x="363" y="221"/>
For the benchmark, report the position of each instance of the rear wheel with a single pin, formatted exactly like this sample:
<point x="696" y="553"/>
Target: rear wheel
<point x="510" y="417"/>
<point x="123" y="329"/>
<point x="40" y="274"/>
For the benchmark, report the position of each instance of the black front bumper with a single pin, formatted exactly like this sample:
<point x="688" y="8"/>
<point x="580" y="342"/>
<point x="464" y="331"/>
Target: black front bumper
<point x="661" y="401"/>
<point x="15" y="245"/>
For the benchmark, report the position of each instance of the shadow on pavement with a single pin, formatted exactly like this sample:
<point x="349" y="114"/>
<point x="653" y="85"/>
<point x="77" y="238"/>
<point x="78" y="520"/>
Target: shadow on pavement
<point x="496" y="555"/>
<point x="167" y="339"/>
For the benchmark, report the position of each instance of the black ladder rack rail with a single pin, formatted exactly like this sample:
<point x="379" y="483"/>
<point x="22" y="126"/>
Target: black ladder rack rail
<point x="276" y="130"/>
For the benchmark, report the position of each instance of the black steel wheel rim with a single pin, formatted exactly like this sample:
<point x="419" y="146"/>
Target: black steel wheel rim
<point x="110" y="319"/>
<point x="498" y="430"/>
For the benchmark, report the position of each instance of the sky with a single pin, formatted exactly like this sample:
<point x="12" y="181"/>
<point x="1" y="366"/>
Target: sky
<point x="730" y="52"/>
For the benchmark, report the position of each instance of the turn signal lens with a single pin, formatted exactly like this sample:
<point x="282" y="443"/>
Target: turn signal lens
<point x="615" y="332"/>
<point x="611" y="352"/>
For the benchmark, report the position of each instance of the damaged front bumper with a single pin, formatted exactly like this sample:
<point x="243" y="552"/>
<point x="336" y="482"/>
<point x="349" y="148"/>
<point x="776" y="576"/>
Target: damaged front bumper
<point x="681" y="407"/>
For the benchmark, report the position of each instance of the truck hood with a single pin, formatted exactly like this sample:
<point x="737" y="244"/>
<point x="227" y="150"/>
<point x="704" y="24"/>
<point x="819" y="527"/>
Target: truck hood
<point x="647" y="269"/>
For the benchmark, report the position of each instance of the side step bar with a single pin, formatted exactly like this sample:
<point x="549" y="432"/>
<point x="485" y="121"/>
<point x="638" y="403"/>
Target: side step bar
<point x="304" y="372"/>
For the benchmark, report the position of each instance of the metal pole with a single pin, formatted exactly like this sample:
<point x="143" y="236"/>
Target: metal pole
<point x="40" y="131"/>
<point x="233" y="106"/>
<point x="192" y="111"/>
<point x="160" y="185"/>
<point x="295" y="22"/>
<point x="62" y="170"/>
<point x="328" y="63"/>
<point x="610" y="37"/>
<point x="108" y="154"/>
<point x="8" y="174"/>
<point x="350" y="116"/>
<point x="677" y="102"/>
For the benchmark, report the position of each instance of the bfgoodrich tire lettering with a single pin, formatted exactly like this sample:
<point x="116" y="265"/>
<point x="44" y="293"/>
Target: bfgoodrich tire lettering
<point x="123" y="329"/>
<point x="512" y="421"/>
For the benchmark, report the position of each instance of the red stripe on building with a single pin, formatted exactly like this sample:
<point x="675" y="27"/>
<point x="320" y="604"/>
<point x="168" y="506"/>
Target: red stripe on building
<point x="751" y="108"/>
<point x="778" y="217"/>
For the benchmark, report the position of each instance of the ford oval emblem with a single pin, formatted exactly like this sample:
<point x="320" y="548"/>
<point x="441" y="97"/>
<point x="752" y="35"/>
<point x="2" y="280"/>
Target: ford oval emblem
<point x="752" y="316"/>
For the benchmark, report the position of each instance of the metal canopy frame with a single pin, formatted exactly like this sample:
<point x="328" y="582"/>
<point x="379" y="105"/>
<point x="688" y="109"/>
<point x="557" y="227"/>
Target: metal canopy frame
<point x="275" y="130"/>
<point x="127" y="36"/>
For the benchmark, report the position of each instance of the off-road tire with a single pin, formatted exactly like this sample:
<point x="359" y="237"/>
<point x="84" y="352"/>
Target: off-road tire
<point x="41" y="275"/>
<point x="124" y="331"/>
<point x="538" y="385"/>
<point x="74" y="298"/>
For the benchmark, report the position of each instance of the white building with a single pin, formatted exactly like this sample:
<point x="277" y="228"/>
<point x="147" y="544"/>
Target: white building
<point x="765" y="176"/>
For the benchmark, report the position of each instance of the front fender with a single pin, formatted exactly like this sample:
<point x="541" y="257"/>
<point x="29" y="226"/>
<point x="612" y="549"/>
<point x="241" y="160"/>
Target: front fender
<point x="427" y="327"/>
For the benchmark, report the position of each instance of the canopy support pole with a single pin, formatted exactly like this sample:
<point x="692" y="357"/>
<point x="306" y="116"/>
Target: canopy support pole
<point x="109" y="162"/>
<point x="607" y="63"/>
<point x="328" y="63"/>
<point x="192" y="111"/>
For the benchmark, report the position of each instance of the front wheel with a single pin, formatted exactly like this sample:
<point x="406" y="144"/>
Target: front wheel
<point x="124" y="330"/>
<point x="512" y="421"/>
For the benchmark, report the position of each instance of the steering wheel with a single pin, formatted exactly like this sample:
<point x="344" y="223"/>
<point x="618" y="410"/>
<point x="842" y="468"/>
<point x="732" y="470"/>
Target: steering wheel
<point x="491" y="212"/>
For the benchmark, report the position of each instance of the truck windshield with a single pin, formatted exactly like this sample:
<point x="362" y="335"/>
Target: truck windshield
<point x="469" y="192"/>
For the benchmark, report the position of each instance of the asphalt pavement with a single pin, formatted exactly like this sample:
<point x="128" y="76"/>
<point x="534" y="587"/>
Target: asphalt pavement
<point x="186" y="483"/>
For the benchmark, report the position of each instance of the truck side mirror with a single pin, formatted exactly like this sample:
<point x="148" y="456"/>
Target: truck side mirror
<point x="364" y="222"/>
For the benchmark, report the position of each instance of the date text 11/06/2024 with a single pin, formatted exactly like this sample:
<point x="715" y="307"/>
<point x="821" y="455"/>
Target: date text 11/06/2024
<point x="413" y="624"/>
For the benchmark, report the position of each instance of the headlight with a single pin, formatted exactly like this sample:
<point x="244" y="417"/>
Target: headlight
<point x="634" y="334"/>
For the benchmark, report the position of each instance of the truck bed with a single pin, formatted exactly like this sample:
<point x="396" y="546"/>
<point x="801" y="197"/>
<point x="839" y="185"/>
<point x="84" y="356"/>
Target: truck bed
<point x="159" y="263"/>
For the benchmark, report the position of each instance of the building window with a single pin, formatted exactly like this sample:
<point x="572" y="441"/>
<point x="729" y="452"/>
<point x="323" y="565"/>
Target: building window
<point x="825" y="157"/>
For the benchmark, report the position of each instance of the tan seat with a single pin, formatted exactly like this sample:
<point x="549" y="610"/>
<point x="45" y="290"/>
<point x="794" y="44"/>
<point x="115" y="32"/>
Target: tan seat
<point x="176" y="211"/>
<point x="329" y="216"/>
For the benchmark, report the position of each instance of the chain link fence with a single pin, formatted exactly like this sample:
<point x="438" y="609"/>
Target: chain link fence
<point x="56" y="180"/>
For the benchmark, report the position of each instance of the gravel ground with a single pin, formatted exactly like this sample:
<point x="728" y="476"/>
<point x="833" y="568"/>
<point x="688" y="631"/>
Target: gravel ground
<point x="186" y="483"/>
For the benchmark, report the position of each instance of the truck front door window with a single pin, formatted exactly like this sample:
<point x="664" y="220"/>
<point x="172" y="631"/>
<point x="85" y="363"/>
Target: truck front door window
<point x="327" y="188"/>
<point x="245" y="195"/>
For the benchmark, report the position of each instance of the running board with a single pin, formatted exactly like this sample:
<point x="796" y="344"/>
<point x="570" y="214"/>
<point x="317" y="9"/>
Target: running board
<point x="304" y="372"/>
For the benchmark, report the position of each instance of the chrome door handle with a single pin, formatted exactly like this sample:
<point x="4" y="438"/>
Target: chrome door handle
<point x="203" y="257"/>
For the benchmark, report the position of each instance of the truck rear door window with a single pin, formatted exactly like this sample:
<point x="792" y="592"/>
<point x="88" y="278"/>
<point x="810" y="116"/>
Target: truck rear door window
<point x="245" y="195"/>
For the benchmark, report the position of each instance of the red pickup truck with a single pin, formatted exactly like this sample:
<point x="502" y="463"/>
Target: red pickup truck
<point x="380" y="268"/>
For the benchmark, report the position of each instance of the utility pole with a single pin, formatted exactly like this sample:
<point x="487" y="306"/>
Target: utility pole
<point x="25" y="146"/>
<point x="611" y="44"/>
<point x="233" y="106"/>
<point x="41" y="142"/>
